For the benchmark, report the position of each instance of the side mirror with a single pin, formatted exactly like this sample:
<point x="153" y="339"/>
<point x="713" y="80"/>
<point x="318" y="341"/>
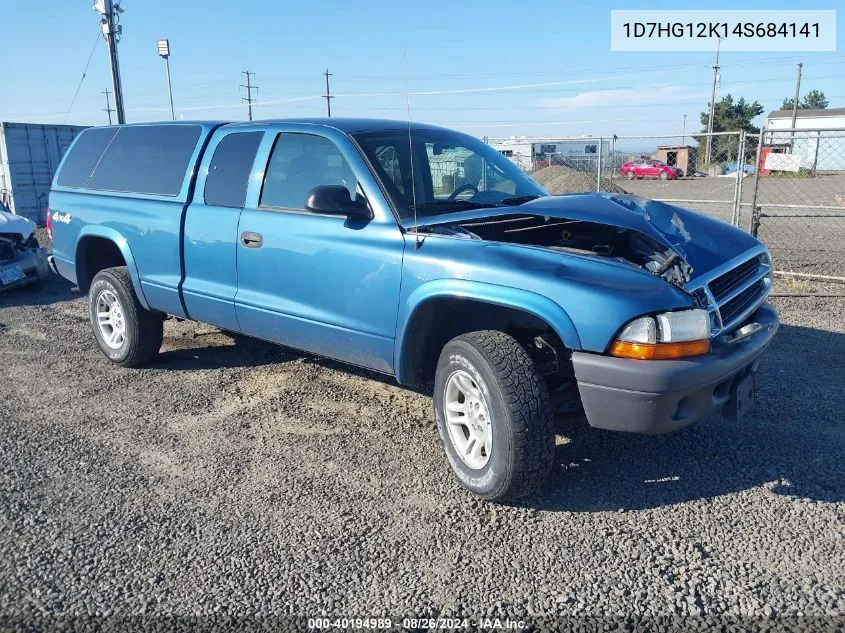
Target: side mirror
<point x="335" y="200"/>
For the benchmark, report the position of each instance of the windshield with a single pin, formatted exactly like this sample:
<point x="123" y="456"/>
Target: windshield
<point x="451" y="172"/>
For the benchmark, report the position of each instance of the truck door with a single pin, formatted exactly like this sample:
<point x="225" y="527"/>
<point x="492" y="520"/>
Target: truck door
<point x="211" y="227"/>
<point x="320" y="283"/>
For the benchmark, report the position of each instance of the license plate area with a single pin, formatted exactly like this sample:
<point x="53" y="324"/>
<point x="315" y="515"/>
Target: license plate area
<point x="11" y="273"/>
<point x="743" y="397"/>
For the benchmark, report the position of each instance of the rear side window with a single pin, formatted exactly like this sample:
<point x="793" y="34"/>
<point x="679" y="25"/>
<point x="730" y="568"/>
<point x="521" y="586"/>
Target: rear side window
<point x="147" y="159"/>
<point x="83" y="157"/>
<point x="228" y="173"/>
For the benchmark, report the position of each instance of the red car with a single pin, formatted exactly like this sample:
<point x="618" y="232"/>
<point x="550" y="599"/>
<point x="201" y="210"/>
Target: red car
<point x="649" y="168"/>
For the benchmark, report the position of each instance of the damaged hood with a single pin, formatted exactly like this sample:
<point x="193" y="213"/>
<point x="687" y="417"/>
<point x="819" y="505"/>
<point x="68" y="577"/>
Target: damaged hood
<point x="701" y="241"/>
<point x="11" y="223"/>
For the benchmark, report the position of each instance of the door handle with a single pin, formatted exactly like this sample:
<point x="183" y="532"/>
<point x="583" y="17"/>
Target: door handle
<point x="251" y="240"/>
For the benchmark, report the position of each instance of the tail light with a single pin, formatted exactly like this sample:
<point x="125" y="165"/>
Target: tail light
<point x="48" y="222"/>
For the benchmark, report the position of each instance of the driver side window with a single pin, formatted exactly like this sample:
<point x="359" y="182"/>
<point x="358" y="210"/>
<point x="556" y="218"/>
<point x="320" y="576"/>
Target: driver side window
<point x="300" y="162"/>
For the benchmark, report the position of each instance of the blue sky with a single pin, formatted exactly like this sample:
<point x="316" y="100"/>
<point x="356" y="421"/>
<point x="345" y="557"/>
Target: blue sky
<point x="489" y="68"/>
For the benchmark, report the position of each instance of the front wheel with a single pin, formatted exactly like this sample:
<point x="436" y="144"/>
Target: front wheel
<point x="630" y="175"/>
<point x="494" y="416"/>
<point x="664" y="175"/>
<point x="128" y="334"/>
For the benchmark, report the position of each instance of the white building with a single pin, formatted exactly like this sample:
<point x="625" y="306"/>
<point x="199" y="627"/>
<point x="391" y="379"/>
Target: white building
<point x="821" y="147"/>
<point x="531" y="153"/>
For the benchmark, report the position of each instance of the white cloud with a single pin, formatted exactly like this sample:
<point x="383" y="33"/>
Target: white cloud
<point x="645" y="95"/>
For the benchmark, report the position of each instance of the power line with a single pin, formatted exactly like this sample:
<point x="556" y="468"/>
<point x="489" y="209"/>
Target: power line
<point x="635" y="70"/>
<point x="249" y="88"/>
<point x="234" y="106"/>
<point x="328" y="94"/>
<point x="205" y="90"/>
<point x="202" y="94"/>
<point x="187" y="87"/>
<point x="84" y="72"/>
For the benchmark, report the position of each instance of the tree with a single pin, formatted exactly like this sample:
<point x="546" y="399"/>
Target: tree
<point x="813" y="100"/>
<point x="728" y="116"/>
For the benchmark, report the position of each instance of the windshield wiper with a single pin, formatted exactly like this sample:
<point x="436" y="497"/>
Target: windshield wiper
<point x="455" y="205"/>
<point x="518" y="200"/>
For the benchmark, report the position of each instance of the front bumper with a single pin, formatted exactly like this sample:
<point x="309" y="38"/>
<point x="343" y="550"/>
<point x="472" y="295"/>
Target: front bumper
<point x="659" y="396"/>
<point x="33" y="263"/>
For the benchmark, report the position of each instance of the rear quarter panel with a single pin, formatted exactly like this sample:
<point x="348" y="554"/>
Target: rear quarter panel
<point x="149" y="225"/>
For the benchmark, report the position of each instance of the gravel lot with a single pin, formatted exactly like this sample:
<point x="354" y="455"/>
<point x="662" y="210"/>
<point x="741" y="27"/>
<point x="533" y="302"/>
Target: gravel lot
<point x="233" y="478"/>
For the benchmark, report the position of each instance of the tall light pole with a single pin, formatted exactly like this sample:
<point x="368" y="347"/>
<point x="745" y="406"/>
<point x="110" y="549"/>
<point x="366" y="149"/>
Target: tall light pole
<point x="112" y="30"/>
<point x="713" y="99"/>
<point x="164" y="51"/>
<point x="684" y="132"/>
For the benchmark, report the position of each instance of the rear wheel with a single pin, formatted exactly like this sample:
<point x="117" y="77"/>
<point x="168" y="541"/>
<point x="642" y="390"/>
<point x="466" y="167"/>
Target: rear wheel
<point x="494" y="416"/>
<point x="664" y="175"/>
<point x="128" y="334"/>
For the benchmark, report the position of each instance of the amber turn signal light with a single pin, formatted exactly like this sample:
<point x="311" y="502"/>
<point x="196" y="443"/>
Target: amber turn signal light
<point x="659" y="351"/>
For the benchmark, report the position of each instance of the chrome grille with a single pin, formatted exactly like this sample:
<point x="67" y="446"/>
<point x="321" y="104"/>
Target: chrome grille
<point x="731" y="310"/>
<point x="724" y="284"/>
<point x="732" y="292"/>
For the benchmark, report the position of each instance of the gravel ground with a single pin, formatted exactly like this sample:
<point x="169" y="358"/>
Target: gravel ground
<point x="235" y="479"/>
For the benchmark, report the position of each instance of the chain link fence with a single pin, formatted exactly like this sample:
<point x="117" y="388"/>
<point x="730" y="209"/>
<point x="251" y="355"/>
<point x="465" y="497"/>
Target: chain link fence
<point x="787" y="187"/>
<point x="796" y="203"/>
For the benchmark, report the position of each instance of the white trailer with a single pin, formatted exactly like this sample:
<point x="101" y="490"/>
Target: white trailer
<point x="29" y="156"/>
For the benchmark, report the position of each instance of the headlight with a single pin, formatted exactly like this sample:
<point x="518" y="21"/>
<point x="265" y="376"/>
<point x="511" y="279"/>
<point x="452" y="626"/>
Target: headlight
<point x="665" y="336"/>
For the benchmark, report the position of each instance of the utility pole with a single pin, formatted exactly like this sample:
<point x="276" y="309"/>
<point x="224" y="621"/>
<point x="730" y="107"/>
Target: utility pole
<point x="249" y="88"/>
<point x="713" y="101"/>
<point x="164" y="52"/>
<point x="795" y="100"/>
<point x="110" y="10"/>
<point x="684" y="132"/>
<point x="328" y="96"/>
<point x="108" y="109"/>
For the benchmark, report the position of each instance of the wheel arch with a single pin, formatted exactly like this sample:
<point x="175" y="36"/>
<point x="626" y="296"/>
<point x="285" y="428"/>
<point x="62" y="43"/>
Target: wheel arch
<point x="439" y="310"/>
<point x="100" y="247"/>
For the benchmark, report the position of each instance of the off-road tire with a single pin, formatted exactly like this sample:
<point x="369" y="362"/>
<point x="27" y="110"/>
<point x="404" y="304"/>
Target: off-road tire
<point x="144" y="328"/>
<point x="523" y="448"/>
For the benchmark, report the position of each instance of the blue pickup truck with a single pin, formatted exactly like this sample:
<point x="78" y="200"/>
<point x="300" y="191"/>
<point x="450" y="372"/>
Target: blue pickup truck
<point x="424" y="254"/>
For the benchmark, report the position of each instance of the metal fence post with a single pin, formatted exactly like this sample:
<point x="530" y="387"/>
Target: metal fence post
<point x="612" y="157"/>
<point x="740" y="168"/>
<point x="816" y="152"/>
<point x="598" y="170"/>
<point x="758" y="165"/>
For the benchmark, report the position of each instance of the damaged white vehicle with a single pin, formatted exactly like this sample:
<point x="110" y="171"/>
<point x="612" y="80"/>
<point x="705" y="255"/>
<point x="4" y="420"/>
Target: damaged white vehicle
<point x="22" y="260"/>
